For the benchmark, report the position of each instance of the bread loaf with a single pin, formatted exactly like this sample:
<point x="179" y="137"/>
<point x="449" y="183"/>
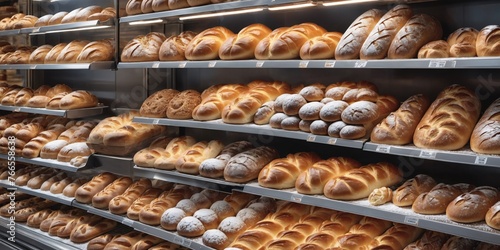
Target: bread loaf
<point x="36" y="219"/>
<point x="448" y="123"/>
<point x="264" y="113"/>
<point x="176" y="4"/>
<point x="292" y="104"/>
<point x="487" y="43"/>
<point x="43" y="20"/>
<point x="143" y="48"/>
<point x="46" y="185"/>
<point x="39" y="54"/>
<point x="102" y="50"/>
<point x="86" y="192"/>
<point x="147" y="197"/>
<point x="437" y="199"/>
<point x="493" y="216"/>
<point x="361" y="234"/>
<point x="206" y="45"/>
<point x="65" y="231"/>
<point x="156" y="104"/>
<point x="70" y="16"/>
<point x="484" y="137"/>
<point x="120" y="204"/>
<point x="320" y="47"/>
<point x="117" y="187"/>
<point x="151" y="213"/>
<point x="480" y="199"/>
<point x="380" y="196"/>
<point x="378" y="41"/>
<point x="434" y="49"/>
<point x="430" y="240"/>
<point x="173" y="48"/>
<point x="58" y="187"/>
<point x="146" y="157"/>
<point x="214" y="168"/>
<point x="396" y="237"/>
<point x="73" y="150"/>
<point x="71" y="188"/>
<point x="86" y="232"/>
<point x="51" y="149"/>
<point x="462" y="42"/>
<point x="246" y="166"/>
<point x="215" y="98"/>
<point x="182" y="105"/>
<point x="100" y="242"/>
<point x="133" y="7"/>
<point x="243" y="109"/>
<point x="175" y="148"/>
<point x="242" y="45"/>
<point x="22" y="215"/>
<point x="281" y="173"/>
<point x="359" y="183"/>
<point x="53" y="54"/>
<point x="189" y="161"/>
<point x="106" y="14"/>
<point x="84" y="13"/>
<point x="418" y="31"/>
<point x="406" y="194"/>
<point x="285" y="43"/>
<point x="70" y="53"/>
<point x="456" y="242"/>
<point x="57" y="18"/>
<point x="77" y="100"/>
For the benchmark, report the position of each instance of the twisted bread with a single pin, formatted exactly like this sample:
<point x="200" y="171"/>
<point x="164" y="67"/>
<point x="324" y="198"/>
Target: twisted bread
<point x="189" y="162"/>
<point x="167" y="159"/>
<point x="117" y="187"/>
<point x="146" y="157"/>
<point x="320" y="47"/>
<point x="359" y="183"/>
<point x="206" y="45"/>
<point x="361" y="234"/>
<point x="215" y="98"/>
<point x="246" y="166"/>
<point x="214" y="168"/>
<point x="151" y="213"/>
<point x="485" y="137"/>
<point x="242" y="45"/>
<point x="448" y="123"/>
<point x="120" y="204"/>
<point x="338" y="224"/>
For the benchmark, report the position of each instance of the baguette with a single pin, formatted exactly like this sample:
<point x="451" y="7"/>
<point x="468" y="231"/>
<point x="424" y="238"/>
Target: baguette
<point x="71" y="188"/>
<point x="34" y="146"/>
<point x="147" y="197"/>
<point x="89" y="231"/>
<point x="58" y="187"/>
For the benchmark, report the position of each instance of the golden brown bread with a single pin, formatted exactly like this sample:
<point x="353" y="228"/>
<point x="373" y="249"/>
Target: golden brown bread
<point x="86" y="192"/>
<point x="173" y="48"/>
<point x="133" y="7"/>
<point x="120" y="204"/>
<point x="57" y="18"/>
<point x="242" y="45"/>
<point x="143" y="48"/>
<point x="430" y="240"/>
<point x="102" y="50"/>
<point x="215" y="98"/>
<point x="152" y="212"/>
<point x="493" y="216"/>
<point x="146" y="198"/>
<point x="22" y="97"/>
<point x="99" y="242"/>
<point x="320" y="47"/>
<point x="462" y="42"/>
<point x="86" y="232"/>
<point x="189" y="162"/>
<point x="396" y="237"/>
<point x="361" y="234"/>
<point x="449" y="121"/>
<point x="43" y="20"/>
<point x="437" y="199"/>
<point x="70" y="16"/>
<point x="117" y="187"/>
<point x="39" y="54"/>
<point x="487" y="42"/>
<point x="206" y="45"/>
<point x="167" y="159"/>
<point x="434" y="49"/>
<point x="182" y="105"/>
<point x="147" y="156"/>
<point x="406" y="194"/>
<point x="485" y="136"/>
<point x="77" y="100"/>
<point x="70" y="53"/>
<point x="214" y="168"/>
<point x="380" y="196"/>
<point x="246" y="166"/>
<point x="472" y="206"/>
<point x="53" y="54"/>
<point x="84" y="13"/>
<point x="175" y="4"/>
<point x="156" y="104"/>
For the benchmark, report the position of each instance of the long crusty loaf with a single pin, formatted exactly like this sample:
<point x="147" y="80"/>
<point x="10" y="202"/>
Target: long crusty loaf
<point x="246" y="166"/>
<point x="214" y="168"/>
<point x="121" y="203"/>
<point x="406" y="194"/>
<point x="242" y="45"/>
<point x="485" y="138"/>
<point x="85" y="192"/>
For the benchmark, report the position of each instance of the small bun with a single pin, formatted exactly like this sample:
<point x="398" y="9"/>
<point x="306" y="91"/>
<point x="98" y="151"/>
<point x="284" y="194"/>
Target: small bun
<point x="319" y="127"/>
<point x="293" y="103"/>
<point x="335" y="128"/>
<point x="352" y="132"/>
<point x="278" y="103"/>
<point x="312" y="93"/>
<point x="332" y="111"/>
<point x="190" y="227"/>
<point x="290" y="123"/>
<point x="310" y="111"/>
<point x="305" y="125"/>
<point x="276" y="120"/>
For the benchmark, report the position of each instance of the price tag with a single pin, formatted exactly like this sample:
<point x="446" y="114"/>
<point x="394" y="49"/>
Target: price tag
<point x="156" y="65"/>
<point x="383" y="149"/>
<point x="437" y="64"/>
<point x="303" y="64"/>
<point x="212" y="64"/>
<point x="18" y="109"/>
<point x="156" y="121"/>
<point x="182" y="241"/>
<point x="411" y="220"/>
<point x="329" y="64"/>
<point x="36" y="30"/>
<point x="427" y="154"/>
<point x="128" y="222"/>
<point x="33" y="66"/>
<point x="259" y="64"/>
<point x="452" y="64"/>
<point x="311" y="138"/>
<point x="481" y="160"/>
<point x="360" y="64"/>
<point x="296" y="198"/>
<point x="182" y="65"/>
<point x="332" y="141"/>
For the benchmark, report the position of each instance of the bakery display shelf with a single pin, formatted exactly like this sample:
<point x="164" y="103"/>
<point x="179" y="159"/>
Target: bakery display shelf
<point x="51" y="163"/>
<point x="181" y="178"/>
<point x="66" y="27"/>
<point x="72" y="114"/>
<point x="191" y="243"/>
<point x="114" y="164"/>
<point x="105" y="65"/>
<point x="10" y="32"/>
<point x="477" y="231"/>
<point x="254" y="129"/>
<point x="463" y="156"/>
<point x="59" y="198"/>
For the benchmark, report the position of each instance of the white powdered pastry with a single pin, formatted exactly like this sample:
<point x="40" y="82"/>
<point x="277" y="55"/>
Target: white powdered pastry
<point x="214" y="237"/>
<point x="187" y="205"/>
<point x="54" y="145"/>
<point x="222" y="208"/>
<point x="173" y="216"/>
<point x="327" y="100"/>
<point x="290" y="123"/>
<point x="332" y="111"/>
<point x="231" y="225"/>
<point x="276" y="120"/>
<point x="305" y="125"/>
<point x="310" y="111"/>
<point x="201" y="201"/>
<point x="293" y="104"/>
<point x="319" y="127"/>
<point x="190" y="224"/>
<point x="337" y="93"/>
<point x="76" y="147"/>
<point x="249" y="216"/>
<point x="206" y="216"/>
<point x="335" y="128"/>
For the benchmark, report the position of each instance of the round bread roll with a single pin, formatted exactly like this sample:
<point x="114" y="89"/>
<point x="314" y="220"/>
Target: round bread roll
<point x="232" y="227"/>
<point x="171" y="218"/>
<point x="435" y="49"/>
<point x="312" y="93"/>
<point x="223" y="209"/>
<point x="156" y="104"/>
<point x="216" y="239"/>
<point x="276" y="120"/>
<point x="278" y="103"/>
<point x="293" y="103"/>
<point x="187" y="206"/>
<point x="332" y="111"/>
<point x="208" y="217"/>
<point x="326" y="100"/>
<point x="337" y="93"/>
<point x="182" y="105"/>
<point x="335" y="128"/>
<point x="264" y="113"/>
<point x="360" y="112"/>
<point x="190" y="227"/>
<point x="463" y="42"/>
<point x="143" y="48"/>
<point x="310" y="111"/>
<point x="290" y="123"/>
<point x="249" y="216"/>
<point x="352" y="132"/>
<point x="319" y="127"/>
<point x="362" y="94"/>
<point x="305" y="125"/>
<point x="201" y="201"/>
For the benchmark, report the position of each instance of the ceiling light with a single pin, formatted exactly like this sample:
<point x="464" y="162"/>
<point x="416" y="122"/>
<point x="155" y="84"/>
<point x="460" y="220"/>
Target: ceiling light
<point x="221" y="13"/>
<point x="292" y="6"/>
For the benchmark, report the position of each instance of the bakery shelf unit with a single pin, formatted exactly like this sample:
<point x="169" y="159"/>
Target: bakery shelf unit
<point x="107" y="65"/>
<point x="66" y="166"/>
<point x="72" y="114"/>
<point x="67" y="27"/>
<point x="59" y="198"/>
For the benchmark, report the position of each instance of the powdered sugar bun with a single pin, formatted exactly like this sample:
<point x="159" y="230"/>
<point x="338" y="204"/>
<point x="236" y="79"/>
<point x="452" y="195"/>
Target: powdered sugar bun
<point x="310" y="111"/>
<point x="278" y="103"/>
<point x="190" y="227"/>
<point x="187" y="205"/>
<point x="215" y="238"/>
<point x="223" y="209"/>
<point x="232" y="227"/>
<point x="171" y="217"/>
<point x="201" y="201"/>
<point x="293" y="103"/>
<point x="276" y="120"/>
<point x="337" y="93"/>
<point x="352" y="132"/>
<point x="249" y="216"/>
<point x="312" y="93"/>
<point x="305" y="125"/>
<point x="208" y="217"/>
<point x="332" y="111"/>
<point x="335" y="128"/>
<point x="319" y="127"/>
<point x="290" y="123"/>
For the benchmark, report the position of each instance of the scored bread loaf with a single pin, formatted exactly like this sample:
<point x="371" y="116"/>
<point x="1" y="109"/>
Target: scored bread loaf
<point x="314" y="178"/>
<point x="117" y="187"/>
<point x="39" y="54"/>
<point x="71" y="51"/>
<point x="71" y="188"/>
<point x="487" y="43"/>
<point x="77" y="100"/>
<point x="246" y="166"/>
<point x="73" y="150"/>
<point x="167" y="159"/>
<point x="484" y="138"/>
<point x="70" y="16"/>
<point x="285" y="43"/>
<point x="282" y="173"/>
<point x="378" y="41"/>
<point x="174" y="47"/>
<point x="396" y="237"/>
<point x="182" y="105"/>
<point x="100" y="242"/>
<point x="84" y="13"/>
<point x="215" y="98"/>
<point x="86" y="192"/>
<point x="58" y="187"/>
<point x="102" y="50"/>
<point x="54" y="53"/>
<point x="430" y="240"/>
<point x="320" y="47"/>
<point x="120" y="204"/>
<point x="143" y="48"/>
<point x="406" y="194"/>
<point x="147" y="156"/>
<point x="147" y="197"/>
<point x="264" y="113"/>
<point x="359" y="183"/>
<point x="242" y="45"/>
<point x="434" y="49"/>
<point x="214" y="168"/>
<point x="156" y="104"/>
<point x="398" y="127"/>
<point x="418" y="31"/>
<point x="449" y="121"/>
<point x="462" y="42"/>
<point x="152" y="212"/>
<point x="206" y="45"/>
<point x="34" y="146"/>
<point x="480" y="199"/>
<point x="46" y="185"/>
<point x="437" y="199"/>
<point x="189" y="162"/>
<point x="86" y="232"/>
<point x="493" y="216"/>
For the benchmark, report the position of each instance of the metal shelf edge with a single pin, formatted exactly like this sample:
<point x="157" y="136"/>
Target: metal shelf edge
<point x="47" y="163"/>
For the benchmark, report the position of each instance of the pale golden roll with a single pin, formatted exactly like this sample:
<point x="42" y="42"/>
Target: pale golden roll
<point x="449" y="121"/>
<point x="380" y="196"/>
<point x="463" y="42"/>
<point x="206" y="45"/>
<point x="320" y="47"/>
<point x="485" y="139"/>
<point x="242" y="45"/>
<point x="70" y="53"/>
<point x="57" y="18"/>
<point x="173" y="48"/>
<point x="39" y="54"/>
<point x="143" y="48"/>
<point x="435" y="49"/>
<point x="488" y="42"/>
<point x="285" y="43"/>
<point x="102" y="50"/>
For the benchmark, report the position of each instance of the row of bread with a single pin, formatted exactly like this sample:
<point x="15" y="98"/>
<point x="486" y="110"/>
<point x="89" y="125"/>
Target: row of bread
<point x="59" y="96"/>
<point x="47" y="137"/>
<point x="397" y="34"/>
<point x="135" y="7"/>
<point x="76" y="51"/>
<point x="20" y="20"/>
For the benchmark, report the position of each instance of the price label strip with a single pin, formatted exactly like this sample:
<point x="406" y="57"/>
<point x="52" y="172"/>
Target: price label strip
<point x="332" y="141"/>
<point x="329" y="64"/>
<point x="182" y="65"/>
<point x="437" y="64"/>
<point x="259" y="64"/>
<point x="128" y="222"/>
<point x="182" y="241"/>
<point x="156" y="121"/>
<point x="296" y="198"/>
<point x="383" y="149"/>
<point x="156" y="65"/>
<point x="303" y="64"/>
<point x="212" y="64"/>
<point x="481" y="160"/>
<point x="311" y="138"/>
<point x="360" y="64"/>
<point x="427" y="154"/>
<point x="411" y="220"/>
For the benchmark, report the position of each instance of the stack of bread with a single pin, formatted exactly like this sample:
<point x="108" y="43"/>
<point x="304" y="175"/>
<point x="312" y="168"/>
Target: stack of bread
<point x="135" y="7"/>
<point x="397" y="34"/>
<point x="130" y="240"/>
<point x="18" y="21"/>
<point x="344" y="110"/>
<point x="171" y="103"/>
<point x="88" y="13"/>
<point x="119" y="135"/>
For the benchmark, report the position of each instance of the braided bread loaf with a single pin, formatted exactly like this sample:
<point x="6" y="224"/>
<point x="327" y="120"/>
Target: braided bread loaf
<point x="206" y="45"/>
<point x="215" y="98"/>
<point x="242" y="45"/>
